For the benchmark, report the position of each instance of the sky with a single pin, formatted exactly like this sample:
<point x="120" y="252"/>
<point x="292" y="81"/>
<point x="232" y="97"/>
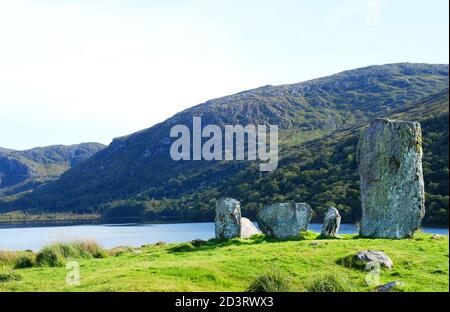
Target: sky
<point x="89" y="71"/>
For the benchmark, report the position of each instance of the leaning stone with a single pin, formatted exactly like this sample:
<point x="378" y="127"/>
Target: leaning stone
<point x="389" y="157"/>
<point x="373" y="256"/>
<point x="331" y="223"/>
<point x="248" y="229"/>
<point x="228" y="218"/>
<point x="284" y="220"/>
<point x="389" y="286"/>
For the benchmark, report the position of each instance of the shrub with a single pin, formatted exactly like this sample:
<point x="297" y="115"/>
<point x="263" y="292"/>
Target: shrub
<point x="9" y="276"/>
<point x="330" y="282"/>
<point x="271" y="281"/>
<point x="24" y="261"/>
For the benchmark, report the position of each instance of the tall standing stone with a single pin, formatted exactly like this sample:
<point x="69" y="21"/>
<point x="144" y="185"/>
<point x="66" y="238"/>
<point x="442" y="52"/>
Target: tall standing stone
<point x="228" y="218"/>
<point x="284" y="220"/>
<point x="331" y="223"/>
<point x="389" y="156"/>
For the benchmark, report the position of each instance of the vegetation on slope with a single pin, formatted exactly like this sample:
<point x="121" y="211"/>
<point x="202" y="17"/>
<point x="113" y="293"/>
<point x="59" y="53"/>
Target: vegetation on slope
<point x="320" y="172"/>
<point x="22" y="171"/>
<point x="135" y="176"/>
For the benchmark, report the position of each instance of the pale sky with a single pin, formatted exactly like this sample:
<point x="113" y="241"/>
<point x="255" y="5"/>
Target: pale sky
<point x="84" y="71"/>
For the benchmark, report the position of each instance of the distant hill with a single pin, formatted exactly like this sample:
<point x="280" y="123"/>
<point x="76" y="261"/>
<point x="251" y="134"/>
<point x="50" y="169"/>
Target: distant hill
<point x="320" y="121"/>
<point x="21" y="171"/>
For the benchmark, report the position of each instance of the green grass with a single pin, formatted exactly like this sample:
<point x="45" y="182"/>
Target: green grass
<point x="308" y="264"/>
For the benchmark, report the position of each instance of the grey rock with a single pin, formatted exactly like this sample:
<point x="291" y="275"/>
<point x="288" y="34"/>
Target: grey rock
<point x="331" y="223"/>
<point x="248" y="229"/>
<point x="389" y="157"/>
<point x="389" y="286"/>
<point x="284" y="220"/>
<point x="228" y="218"/>
<point x="373" y="256"/>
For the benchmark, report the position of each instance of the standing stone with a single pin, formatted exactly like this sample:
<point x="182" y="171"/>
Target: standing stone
<point x="284" y="220"/>
<point x="248" y="229"/>
<point x="228" y="218"/>
<point x="331" y="222"/>
<point x="389" y="156"/>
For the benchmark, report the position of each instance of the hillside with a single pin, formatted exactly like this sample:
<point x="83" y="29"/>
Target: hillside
<point x="21" y="171"/>
<point x="320" y="122"/>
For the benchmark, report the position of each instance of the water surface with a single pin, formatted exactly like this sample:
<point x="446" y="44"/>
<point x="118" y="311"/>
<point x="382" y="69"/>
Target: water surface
<point x="36" y="235"/>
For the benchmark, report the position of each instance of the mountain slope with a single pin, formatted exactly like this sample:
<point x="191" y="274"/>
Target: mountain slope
<point x="23" y="170"/>
<point x="138" y="166"/>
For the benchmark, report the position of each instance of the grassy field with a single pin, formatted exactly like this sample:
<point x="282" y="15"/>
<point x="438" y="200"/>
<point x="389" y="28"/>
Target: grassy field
<point x="422" y="264"/>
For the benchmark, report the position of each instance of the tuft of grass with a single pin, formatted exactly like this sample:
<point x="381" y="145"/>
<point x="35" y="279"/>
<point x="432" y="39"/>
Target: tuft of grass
<point x="120" y="250"/>
<point x="24" y="261"/>
<point x="270" y="281"/>
<point x="330" y="282"/>
<point x="8" y="257"/>
<point x="351" y="262"/>
<point x="89" y="248"/>
<point x="9" y="277"/>
<point x="183" y="247"/>
<point x="50" y="256"/>
<point x="56" y="254"/>
<point x="307" y="235"/>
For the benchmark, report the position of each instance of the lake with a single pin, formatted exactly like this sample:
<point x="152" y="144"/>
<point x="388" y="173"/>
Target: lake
<point x="36" y="235"/>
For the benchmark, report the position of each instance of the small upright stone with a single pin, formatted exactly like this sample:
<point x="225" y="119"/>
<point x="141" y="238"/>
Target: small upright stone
<point x="248" y="229"/>
<point x="228" y="218"/>
<point x="284" y="220"/>
<point x="331" y="222"/>
<point x="389" y="157"/>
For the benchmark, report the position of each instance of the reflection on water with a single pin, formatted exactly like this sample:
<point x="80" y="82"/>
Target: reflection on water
<point x="36" y="235"/>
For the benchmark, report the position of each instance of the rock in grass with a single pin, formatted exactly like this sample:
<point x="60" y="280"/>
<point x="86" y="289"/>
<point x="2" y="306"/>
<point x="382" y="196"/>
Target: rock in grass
<point x="364" y="257"/>
<point x="389" y="157"/>
<point x="389" y="286"/>
<point x="331" y="223"/>
<point x="228" y="218"/>
<point x="248" y="229"/>
<point x="284" y="220"/>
